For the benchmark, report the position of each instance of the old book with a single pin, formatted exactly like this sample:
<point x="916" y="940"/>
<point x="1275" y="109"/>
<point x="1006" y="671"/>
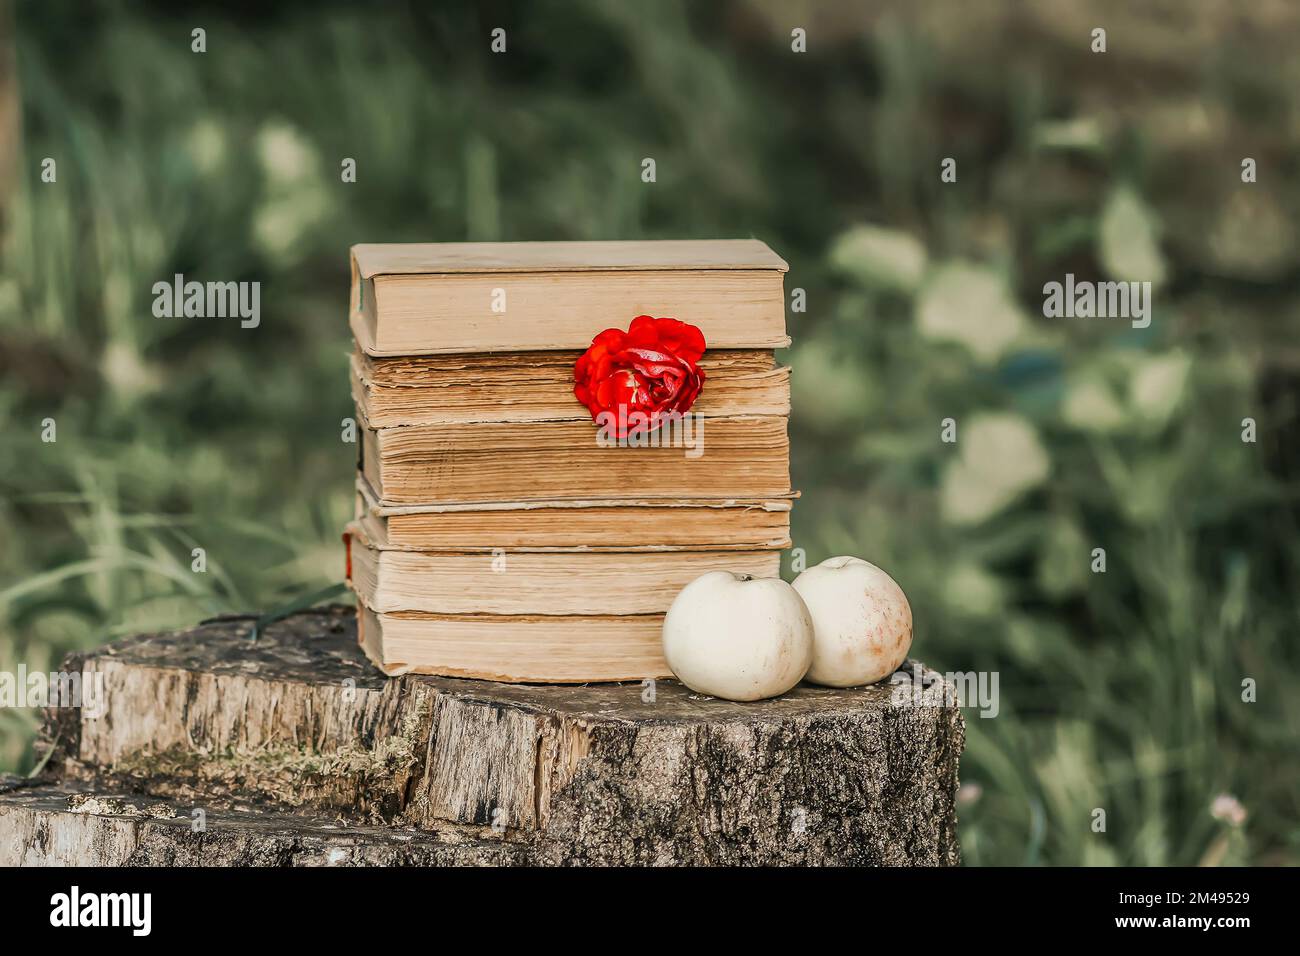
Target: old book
<point x="609" y="525"/>
<point x="538" y="386"/>
<point x="429" y="298"/>
<point x="529" y="582"/>
<point x="519" y="649"/>
<point x="734" y="457"/>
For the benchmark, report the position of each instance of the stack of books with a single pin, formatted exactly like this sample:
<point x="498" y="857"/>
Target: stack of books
<point x="499" y="533"/>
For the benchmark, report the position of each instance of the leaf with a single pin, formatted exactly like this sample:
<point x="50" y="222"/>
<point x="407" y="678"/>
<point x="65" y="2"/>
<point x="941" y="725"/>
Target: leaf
<point x="297" y="604"/>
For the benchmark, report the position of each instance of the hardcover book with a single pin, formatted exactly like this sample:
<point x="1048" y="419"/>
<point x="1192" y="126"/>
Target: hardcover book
<point x="542" y="649"/>
<point x="535" y="583"/>
<point x="733" y="457"/>
<point x="596" y="525"/>
<point x="538" y="386"/>
<point x="418" y="299"/>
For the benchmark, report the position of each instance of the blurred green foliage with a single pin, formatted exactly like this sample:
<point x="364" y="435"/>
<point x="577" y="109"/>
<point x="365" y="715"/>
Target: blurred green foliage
<point x="1120" y="691"/>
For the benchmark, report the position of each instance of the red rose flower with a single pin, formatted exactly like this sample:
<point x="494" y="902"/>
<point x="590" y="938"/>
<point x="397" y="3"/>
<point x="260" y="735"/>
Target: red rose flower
<point x="649" y="369"/>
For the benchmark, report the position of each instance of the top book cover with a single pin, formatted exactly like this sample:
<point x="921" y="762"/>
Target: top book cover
<point x="460" y="297"/>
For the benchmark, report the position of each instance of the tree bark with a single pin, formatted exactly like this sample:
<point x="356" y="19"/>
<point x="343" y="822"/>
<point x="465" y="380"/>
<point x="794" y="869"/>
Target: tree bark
<point x="297" y="751"/>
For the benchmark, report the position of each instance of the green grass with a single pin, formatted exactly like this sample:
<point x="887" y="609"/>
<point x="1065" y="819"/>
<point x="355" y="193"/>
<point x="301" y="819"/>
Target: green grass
<point x="1119" y="691"/>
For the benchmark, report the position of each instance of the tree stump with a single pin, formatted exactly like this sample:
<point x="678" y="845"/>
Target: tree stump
<point x="213" y="749"/>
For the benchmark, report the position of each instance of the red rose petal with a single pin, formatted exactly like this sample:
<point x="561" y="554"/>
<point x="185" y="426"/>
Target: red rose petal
<point x="651" y="368"/>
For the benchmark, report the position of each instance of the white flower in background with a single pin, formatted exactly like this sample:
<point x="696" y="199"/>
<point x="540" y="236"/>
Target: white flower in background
<point x="880" y="257"/>
<point x="970" y="305"/>
<point x="1228" y="809"/>
<point x="296" y="199"/>
<point x="206" y="145"/>
<point x="1252" y="235"/>
<point x="285" y="154"/>
<point x="1158" y="384"/>
<point x="125" y="372"/>
<point x="1000" y="458"/>
<point x="1091" y="404"/>
<point x="1129" y="239"/>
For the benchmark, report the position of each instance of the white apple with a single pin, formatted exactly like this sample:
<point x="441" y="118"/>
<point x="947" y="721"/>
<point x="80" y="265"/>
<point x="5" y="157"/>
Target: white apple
<point x="737" y="636"/>
<point x="862" y="622"/>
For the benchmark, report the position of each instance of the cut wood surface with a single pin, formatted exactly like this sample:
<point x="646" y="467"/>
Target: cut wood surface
<point x="299" y="751"/>
<point x="48" y="825"/>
